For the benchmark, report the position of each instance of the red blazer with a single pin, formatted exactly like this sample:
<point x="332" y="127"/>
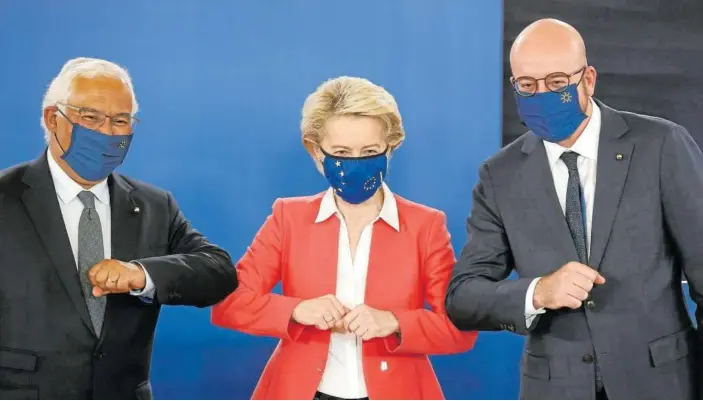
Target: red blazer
<point x="406" y="269"/>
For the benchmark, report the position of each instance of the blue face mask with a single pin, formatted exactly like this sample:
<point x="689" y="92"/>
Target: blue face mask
<point x="93" y="155"/>
<point x="552" y="116"/>
<point x="355" y="179"/>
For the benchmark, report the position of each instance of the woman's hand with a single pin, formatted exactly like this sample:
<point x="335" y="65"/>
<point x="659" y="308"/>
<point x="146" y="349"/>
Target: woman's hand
<point x="367" y="323"/>
<point x="323" y="312"/>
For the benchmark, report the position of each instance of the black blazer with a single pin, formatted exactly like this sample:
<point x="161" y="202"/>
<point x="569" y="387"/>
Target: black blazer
<point x="48" y="348"/>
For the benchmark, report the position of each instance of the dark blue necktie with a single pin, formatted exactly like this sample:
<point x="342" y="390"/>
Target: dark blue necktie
<point x="575" y="212"/>
<point x="576" y="219"/>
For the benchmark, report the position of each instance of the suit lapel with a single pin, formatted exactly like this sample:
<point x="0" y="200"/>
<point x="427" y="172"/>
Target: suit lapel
<point x="538" y="186"/>
<point x="42" y="206"/>
<point x="614" y="155"/>
<point x="124" y="236"/>
<point x="125" y="221"/>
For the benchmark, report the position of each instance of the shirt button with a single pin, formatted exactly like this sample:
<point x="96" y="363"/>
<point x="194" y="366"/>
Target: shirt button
<point x="590" y="304"/>
<point x="588" y="358"/>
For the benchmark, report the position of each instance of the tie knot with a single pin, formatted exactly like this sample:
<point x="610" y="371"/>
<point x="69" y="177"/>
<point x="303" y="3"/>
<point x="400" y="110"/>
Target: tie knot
<point x="87" y="198"/>
<point x="570" y="159"/>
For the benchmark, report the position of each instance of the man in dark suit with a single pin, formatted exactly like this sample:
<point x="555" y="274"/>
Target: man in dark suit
<point x="600" y="266"/>
<point x="88" y="256"/>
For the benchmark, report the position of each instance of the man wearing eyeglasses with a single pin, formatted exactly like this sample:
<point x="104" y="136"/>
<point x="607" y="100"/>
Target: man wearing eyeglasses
<point x="88" y="256"/>
<point x="599" y="212"/>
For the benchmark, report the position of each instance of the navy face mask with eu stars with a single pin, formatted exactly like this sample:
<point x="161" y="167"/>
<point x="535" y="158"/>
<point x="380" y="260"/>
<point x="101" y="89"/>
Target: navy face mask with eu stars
<point x="551" y="116"/>
<point x="92" y="154"/>
<point x="355" y="179"/>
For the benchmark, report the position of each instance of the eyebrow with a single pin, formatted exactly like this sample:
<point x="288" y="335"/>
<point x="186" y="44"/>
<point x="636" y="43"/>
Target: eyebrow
<point x="375" y="145"/>
<point x="124" y="113"/>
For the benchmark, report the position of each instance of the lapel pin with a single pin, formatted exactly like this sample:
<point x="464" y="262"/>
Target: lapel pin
<point x="619" y="156"/>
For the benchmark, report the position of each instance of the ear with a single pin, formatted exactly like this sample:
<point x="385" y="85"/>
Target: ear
<point x="314" y="151"/>
<point x="319" y="156"/>
<point x="590" y="76"/>
<point x="50" y="117"/>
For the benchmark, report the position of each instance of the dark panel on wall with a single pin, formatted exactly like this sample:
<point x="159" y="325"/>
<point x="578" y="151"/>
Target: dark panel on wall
<point x="648" y="53"/>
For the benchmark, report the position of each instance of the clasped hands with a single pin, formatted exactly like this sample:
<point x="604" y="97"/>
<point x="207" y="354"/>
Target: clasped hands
<point x="112" y="276"/>
<point x="327" y="313"/>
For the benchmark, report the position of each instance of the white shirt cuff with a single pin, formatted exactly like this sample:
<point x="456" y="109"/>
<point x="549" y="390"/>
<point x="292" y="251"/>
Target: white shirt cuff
<point x="149" y="289"/>
<point x="530" y="311"/>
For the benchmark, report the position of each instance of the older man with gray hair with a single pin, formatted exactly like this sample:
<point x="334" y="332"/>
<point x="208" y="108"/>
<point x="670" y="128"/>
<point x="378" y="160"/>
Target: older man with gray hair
<point x="88" y="256"/>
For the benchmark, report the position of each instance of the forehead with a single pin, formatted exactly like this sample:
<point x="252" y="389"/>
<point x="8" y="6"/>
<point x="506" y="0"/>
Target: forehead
<point x="102" y="93"/>
<point x="353" y="131"/>
<point x="538" y="63"/>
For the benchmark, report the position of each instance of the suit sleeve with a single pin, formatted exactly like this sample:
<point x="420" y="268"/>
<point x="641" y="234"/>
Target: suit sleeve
<point x="430" y="331"/>
<point x="195" y="272"/>
<point x="480" y="295"/>
<point x="253" y="309"/>
<point x="682" y="191"/>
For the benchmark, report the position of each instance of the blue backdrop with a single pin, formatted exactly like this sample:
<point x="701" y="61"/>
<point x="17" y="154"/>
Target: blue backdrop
<point x="221" y="84"/>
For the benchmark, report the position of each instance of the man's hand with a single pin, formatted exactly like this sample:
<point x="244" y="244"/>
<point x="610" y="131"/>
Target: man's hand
<point x="323" y="312"/>
<point x="115" y="277"/>
<point x="567" y="287"/>
<point x="367" y="323"/>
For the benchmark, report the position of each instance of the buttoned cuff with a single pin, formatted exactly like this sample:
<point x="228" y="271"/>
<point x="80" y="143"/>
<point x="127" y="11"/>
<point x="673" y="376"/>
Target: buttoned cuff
<point x="146" y="294"/>
<point x="530" y="311"/>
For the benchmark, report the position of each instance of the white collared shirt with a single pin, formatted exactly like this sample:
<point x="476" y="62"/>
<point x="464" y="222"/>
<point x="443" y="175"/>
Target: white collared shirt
<point x="344" y="373"/>
<point x="67" y="192"/>
<point x="587" y="148"/>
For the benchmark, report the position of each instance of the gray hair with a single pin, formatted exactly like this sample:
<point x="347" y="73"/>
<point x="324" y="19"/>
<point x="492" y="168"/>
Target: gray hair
<point x="60" y="88"/>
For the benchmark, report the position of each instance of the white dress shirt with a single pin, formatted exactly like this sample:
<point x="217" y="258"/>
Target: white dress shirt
<point x="67" y="192"/>
<point x="587" y="148"/>
<point x="344" y="374"/>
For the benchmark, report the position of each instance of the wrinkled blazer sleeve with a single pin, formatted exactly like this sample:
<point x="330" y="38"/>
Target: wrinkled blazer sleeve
<point x="424" y="331"/>
<point x="252" y="308"/>
<point x="480" y="297"/>
<point x="196" y="272"/>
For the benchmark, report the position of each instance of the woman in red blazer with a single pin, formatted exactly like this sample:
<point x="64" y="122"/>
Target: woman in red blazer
<point x="357" y="266"/>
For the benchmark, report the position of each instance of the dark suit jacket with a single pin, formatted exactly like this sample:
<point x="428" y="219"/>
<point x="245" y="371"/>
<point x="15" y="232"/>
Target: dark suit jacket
<point x="647" y="225"/>
<point x="48" y="348"/>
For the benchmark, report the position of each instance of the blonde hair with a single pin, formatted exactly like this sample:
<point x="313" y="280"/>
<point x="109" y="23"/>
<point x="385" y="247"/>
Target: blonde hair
<point x="350" y="96"/>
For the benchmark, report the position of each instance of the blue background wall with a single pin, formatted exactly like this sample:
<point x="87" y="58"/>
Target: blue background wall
<point x="221" y="84"/>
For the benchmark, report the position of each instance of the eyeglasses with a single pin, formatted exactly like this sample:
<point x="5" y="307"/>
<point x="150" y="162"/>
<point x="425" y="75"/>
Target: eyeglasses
<point x="94" y="119"/>
<point x="556" y="82"/>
